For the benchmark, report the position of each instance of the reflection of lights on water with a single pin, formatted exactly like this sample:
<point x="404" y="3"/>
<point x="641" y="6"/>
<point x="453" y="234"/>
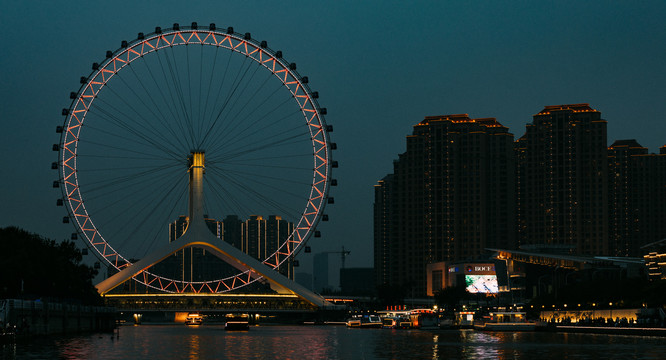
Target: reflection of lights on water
<point x="480" y="345"/>
<point x="195" y="345"/>
<point x="435" y="346"/>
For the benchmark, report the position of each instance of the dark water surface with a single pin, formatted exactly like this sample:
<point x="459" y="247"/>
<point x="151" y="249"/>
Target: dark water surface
<point x="332" y="342"/>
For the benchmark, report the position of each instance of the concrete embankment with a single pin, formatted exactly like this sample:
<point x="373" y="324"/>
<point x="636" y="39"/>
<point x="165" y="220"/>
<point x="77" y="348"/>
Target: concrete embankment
<point x="30" y="317"/>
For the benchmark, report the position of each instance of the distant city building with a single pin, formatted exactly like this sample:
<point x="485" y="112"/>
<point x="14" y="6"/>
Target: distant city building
<point x="354" y="281"/>
<point x="463" y="186"/>
<point x="637" y="197"/>
<point x="192" y="263"/>
<point x="562" y="192"/>
<point x="232" y="231"/>
<point x="475" y="277"/>
<point x="305" y="280"/>
<point x="256" y="237"/>
<point x="450" y="197"/>
<point x="655" y="259"/>
<point x="320" y="272"/>
<point x="624" y="196"/>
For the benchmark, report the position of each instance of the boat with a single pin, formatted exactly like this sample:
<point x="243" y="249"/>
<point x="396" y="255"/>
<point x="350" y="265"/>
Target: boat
<point x="365" y="321"/>
<point x="194" y="319"/>
<point x="425" y="319"/>
<point x="505" y="321"/>
<point x="235" y="322"/>
<point x="396" y="322"/>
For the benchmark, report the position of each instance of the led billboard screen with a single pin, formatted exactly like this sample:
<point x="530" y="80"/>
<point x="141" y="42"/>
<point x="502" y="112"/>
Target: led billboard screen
<point x="486" y="284"/>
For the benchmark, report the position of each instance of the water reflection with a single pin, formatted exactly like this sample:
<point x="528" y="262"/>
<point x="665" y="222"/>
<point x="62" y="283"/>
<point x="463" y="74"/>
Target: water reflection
<point x="478" y="345"/>
<point x="331" y="342"/>
<point x="194" y="346"/>
<point x="435" y="347"/>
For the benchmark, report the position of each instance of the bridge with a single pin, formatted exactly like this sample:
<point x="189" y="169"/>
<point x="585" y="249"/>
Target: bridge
<point x="289" y="296"/>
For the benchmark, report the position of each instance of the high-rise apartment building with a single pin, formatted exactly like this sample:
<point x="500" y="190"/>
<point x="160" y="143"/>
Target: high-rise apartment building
<point x="637" y="203"/>
<point x="193" y="263"/>
<point x="562" y="191"/>
<point x="450" y="197"/>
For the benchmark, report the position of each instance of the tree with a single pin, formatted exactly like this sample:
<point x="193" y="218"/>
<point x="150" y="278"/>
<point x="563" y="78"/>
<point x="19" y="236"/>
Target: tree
<point x="34" y="267"/>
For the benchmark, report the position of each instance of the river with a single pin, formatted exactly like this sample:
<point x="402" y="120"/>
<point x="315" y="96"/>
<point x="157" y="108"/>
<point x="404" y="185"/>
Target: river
<point x="331" y="342"/>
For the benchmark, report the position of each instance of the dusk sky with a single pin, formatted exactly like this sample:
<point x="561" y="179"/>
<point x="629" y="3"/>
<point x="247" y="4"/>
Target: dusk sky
<point x="379" y="66"/>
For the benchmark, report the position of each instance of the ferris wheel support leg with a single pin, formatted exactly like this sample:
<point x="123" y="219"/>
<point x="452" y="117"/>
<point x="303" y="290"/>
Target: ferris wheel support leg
<point x="200" y="236"/>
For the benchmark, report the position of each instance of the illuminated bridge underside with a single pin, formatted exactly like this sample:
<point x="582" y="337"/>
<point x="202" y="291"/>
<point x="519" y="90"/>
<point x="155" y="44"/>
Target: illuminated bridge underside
<point x="562" y="261"/>
<point x="209" y="302"/>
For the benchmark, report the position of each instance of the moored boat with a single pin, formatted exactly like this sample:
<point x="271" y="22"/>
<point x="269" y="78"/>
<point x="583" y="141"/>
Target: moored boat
<point x="365" y="321"/>
<point x="505" y="321"/>
<point x="237" y="322"/>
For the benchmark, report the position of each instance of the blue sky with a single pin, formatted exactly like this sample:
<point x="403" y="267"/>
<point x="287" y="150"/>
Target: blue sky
<point x="379" y="67"/>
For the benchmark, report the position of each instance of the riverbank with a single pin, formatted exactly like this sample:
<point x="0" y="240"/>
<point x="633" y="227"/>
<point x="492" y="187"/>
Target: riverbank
<point x="26" y="318"/>
<point x="636" y="331"/>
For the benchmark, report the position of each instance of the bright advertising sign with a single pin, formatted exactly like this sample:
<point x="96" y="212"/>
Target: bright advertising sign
<point x="484" y="284"/>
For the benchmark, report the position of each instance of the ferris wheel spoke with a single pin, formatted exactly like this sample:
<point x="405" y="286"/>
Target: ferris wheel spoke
<point x="120" y="197"/>
<point x="155" y="156"/>
<point x="249" y="161"/>
<point x="176" y="100"/>
<point x="284" y="137"/>
<point x="236" y="119"/>
<point x="155" y="115"/>
<point x="114" y="169"/>
<point x="263" y="175"/>
<point x="254" y="178"/>
<point x="230" y="132"/>
<point x="189" y="90"/>
<point x="140" y="131"/>
<point x="126" y="215"/>
<point x="124" y="179"/>
<point x="235" y="190"/>
<point x="230" y="94"/>
<point x="275" y="143"/>
<point x="102" y="147"/>
<point x="226" y="199"/>
<point x="204" y="110"/>
<point x="102" y="156"/>
<point x="139" y="211"/>
<point x="258" y="123"/>
<point x="170" y="104"/>
<point x="165" y="124"/>
<point x="144" y="124"/>
<point x="164" y="212"/>
<point x="175" y="74"/>
<point x="257" y="196"/>
<point x="259" y="128"/>
<point x="198" y="108"/>
<point x="208" y="118"/>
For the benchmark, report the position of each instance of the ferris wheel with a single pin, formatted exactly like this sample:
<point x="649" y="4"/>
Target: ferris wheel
<point x="147" y="108"/>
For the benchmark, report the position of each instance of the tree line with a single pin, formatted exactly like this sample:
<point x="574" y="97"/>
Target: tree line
<point x="34" y="267"/>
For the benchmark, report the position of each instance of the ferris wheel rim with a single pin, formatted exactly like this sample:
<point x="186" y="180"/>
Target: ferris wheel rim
<point x="177" y="36"/>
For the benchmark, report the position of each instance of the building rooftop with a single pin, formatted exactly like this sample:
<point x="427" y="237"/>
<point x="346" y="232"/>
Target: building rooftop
<point x="583" y="107"/>
<point x="460" y="118"/>
<point x="632" y="143"/>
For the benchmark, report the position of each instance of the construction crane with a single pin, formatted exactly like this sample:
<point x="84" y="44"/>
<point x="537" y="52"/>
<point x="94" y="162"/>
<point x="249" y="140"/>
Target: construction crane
<point x="343" y="254"/>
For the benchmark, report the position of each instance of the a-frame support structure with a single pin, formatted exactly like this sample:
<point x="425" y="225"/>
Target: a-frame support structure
<point x="197" y="234"/>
